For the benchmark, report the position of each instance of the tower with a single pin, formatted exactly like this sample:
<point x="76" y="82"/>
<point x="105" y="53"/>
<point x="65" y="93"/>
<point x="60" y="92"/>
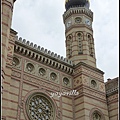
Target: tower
<point x="7" y="52"/>
<point x="91" y="102"/>
<point x="78" y="20"/>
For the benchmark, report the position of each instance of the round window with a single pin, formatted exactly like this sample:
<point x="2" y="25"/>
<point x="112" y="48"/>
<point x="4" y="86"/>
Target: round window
<point x="30" y="67"/>
<point x="53" y="76"/>
<point x="39" y="107"/>
<point x="66" y="81"/>
<point x="15" y="61"/>
<point x="42" y="71"/>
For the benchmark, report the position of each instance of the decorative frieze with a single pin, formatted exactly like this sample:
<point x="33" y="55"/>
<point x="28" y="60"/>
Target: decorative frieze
<point x="102" y="87"/>
<point x="42" y="50"/>
<point x="89" y="72"/>
<point x="92" y="73"/>
<point x="10" y="49"/>
<point x="94" y="94"/>
<point x="111" y="86"/>
<point x="78" y="81"/>
<point x="16" y="74"/>
<point x="9" y="62"/>
<point x="113" y="97"/>
<point x="85" y="80"/>
<point x="40" y="82"/>
<point x="44" y="56"/>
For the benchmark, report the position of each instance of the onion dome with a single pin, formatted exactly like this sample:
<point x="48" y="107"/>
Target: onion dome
<point x="76" y="3"/>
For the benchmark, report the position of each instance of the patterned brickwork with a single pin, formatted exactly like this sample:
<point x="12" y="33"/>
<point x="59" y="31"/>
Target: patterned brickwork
<point x="29" y="70"/>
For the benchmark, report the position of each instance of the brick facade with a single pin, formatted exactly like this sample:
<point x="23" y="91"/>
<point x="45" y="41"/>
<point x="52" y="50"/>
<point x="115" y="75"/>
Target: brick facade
<point x="28" y="69"/>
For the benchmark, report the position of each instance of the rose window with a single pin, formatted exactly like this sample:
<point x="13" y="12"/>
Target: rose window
<point x="39" y="107"/>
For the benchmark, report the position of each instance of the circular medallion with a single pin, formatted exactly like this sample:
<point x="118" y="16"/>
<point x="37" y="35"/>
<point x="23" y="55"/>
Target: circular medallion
<point x="53" y="76"/>
<point x="42" y="71"/>
<point x="30" y="67"/>
<point x="78" y="19"/>
<point x="15" y="61"/>
<point x="66" y="81"/>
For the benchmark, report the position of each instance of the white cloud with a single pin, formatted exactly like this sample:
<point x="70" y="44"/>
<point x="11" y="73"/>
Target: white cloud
<point x="41" y="22"/>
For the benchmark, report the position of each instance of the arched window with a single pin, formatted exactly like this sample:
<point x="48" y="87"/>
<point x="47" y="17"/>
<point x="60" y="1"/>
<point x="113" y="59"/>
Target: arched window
<point x="80" y="39"/>
<point x="90" y="45"/>
<point x="69" y="44"/>
<point x="96" y="114"/>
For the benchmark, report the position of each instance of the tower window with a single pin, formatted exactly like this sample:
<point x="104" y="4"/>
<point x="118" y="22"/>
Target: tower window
<point x="93" y="84"/>
<point x="90" y="45"/>
<point x="79" y="38"/>
<point x="69" y="45"/>
<point x="96" y="116"/>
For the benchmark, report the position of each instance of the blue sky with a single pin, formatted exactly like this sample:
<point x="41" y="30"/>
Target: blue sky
<point x="41" y="22"/>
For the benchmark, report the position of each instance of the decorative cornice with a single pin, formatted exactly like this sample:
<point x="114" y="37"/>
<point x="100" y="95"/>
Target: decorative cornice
<point x="111" y="86"/>
<point x="88" y="66"/>
<point x="78" y="10"/>
<point x="13" y="31"/>
<point x="112" y="91"/>
<point x="43" y="55"/>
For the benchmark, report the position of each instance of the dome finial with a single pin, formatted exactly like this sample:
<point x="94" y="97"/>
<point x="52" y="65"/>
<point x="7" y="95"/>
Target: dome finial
<point x="77" y="3"/>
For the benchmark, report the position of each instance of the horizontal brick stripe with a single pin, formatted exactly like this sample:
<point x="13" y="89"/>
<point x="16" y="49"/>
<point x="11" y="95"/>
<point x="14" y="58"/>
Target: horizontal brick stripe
<point x="113" y="115"/>
<point x="7" y="108"/>
<point x="66" y="103"/>
<point x="5" y="24"/>
<point x="67" y="116"/>
<point x="67" y="110"/>
<point x="4" y="34"/>
<point x="81" y="117"/>
<point x="9" y="100"/>
<point x="82" y="110"/>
